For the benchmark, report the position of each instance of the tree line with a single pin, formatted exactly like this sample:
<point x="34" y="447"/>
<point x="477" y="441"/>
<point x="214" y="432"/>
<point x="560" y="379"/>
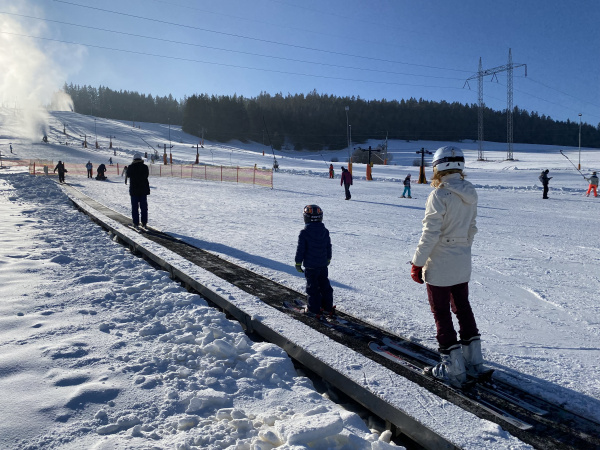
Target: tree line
<point x="318" y="121"/>
<point x="124" y="105"/>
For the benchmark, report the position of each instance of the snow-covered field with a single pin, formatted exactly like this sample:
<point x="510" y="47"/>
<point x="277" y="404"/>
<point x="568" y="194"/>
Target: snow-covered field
<point x="99" y="350"/>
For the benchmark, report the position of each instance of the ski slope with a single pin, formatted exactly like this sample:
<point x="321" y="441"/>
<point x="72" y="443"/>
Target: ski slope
<point x="533" y="289"/>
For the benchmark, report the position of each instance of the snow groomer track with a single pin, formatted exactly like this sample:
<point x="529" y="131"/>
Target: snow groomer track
<point x="346" y="350"/>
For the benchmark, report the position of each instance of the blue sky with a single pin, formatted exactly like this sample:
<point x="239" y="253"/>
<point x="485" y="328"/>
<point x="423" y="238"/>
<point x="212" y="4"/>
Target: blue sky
<point x="375" y="49"/>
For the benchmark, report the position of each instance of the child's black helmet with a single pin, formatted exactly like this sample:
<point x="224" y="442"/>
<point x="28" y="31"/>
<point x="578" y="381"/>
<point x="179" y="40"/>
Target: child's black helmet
<point x="313" y="213"/>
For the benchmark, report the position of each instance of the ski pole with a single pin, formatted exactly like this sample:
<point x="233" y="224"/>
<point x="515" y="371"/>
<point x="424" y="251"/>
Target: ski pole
<point x="561" y="152"/>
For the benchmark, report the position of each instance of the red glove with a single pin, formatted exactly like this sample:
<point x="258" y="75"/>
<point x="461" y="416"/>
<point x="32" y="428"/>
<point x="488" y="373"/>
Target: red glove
<point x="416" y="272"/>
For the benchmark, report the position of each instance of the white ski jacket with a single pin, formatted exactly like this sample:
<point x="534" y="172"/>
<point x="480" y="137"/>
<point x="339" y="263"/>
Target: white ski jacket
<point x="448" y="231"/>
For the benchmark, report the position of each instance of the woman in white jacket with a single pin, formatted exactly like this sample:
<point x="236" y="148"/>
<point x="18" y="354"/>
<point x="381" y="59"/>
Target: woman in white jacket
<point x="443" y="261"/>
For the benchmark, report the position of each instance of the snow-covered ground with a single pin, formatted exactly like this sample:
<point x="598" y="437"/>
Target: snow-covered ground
<point x="99" y="349"/>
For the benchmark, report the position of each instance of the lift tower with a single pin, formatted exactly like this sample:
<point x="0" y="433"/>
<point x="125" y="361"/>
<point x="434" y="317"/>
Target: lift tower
<point x="508" y="68"/>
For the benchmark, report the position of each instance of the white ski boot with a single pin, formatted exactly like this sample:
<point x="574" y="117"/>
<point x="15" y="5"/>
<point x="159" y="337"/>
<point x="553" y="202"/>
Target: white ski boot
<point x="452" y="367"/>
<point x="471" y="349"/>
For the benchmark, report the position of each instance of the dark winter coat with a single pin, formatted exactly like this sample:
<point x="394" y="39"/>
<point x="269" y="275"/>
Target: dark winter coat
<point x="314" y="246"/>
<point x="61" y="168"/>
<point x="138" y="173"/>
<point x="346" y="177"/>
<point x="407" y="181"/>
<point x="544" y="178"/>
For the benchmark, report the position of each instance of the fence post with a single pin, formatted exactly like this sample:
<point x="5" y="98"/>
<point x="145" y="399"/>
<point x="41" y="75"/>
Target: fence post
<point x="159" y="171"/>
<point x="205" y="173"/>
<point x="221" y="174"/>
<point x="237" y="174"/>
<point x="254" y="176"/>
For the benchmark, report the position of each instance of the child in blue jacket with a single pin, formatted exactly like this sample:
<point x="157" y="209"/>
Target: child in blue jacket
<point x="314" y="251"/>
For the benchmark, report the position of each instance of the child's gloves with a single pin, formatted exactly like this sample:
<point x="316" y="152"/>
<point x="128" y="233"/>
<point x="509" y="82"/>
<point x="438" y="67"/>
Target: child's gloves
<point x="416" y="272"/>
<point x="299" y="267"/>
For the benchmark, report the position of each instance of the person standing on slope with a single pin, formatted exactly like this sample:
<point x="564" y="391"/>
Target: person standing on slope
<point x="443" y="261"/>
<point x="593" y="180"/>
<point x="346" y="181"/>
<point x="61" y="171"/>
<point x="90" y="169"/>
<point x="139" y="189"/>
<point x="406" y="187"/>
<point x="331" y="171"/>
<point x="314" y="251"/>
<point x="545" y="179"/>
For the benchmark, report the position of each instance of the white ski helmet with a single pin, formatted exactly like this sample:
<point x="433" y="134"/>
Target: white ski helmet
<point x="137" y="156"/>
<point x="448" y="157"/>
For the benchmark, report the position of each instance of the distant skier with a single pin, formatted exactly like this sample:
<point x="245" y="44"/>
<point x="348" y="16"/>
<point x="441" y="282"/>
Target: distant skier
<point x="275" y="165"/>
<point x="124" y="172"/>
<point x="406" y="187"/>
<point x="443" y="261"/>
<point x="331" y="174"/>
<point x="314" y="251"/>
<point x="545" y="179"/>
<point x="346" y="181"/>
<point x="100" y="172"/>
<point x="11" y="148"/>
<point x="61" y="171"/>
<point x="110" y="161"/>
<point x="593" y="180"/>
<point x="139" y="189"/>
<point x="90" y="169"/>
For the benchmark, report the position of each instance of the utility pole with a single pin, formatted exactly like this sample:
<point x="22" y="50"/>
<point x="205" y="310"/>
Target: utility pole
<point x="508" y="68"/>
<point x="422" y="177"/>
<point x="95" y="133"/>
<point x="369" y="177"/>
<point x="579" y="165"/>
<point x="347" y="108"/>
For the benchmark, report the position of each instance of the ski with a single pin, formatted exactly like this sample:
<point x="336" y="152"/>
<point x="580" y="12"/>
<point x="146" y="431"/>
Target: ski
<point x="405" y="352"/>
<point x="136" y="229"/>
<point x="486" y="386"/>
<point x="293" y="306"/>
<point x="484" y="381"/>
<point x="384" y="351"/>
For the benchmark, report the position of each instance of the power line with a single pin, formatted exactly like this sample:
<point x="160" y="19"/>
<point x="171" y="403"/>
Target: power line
<point x="267" y="41"/>
<point x="228" y="65"/>
<point x="170" y="41"/>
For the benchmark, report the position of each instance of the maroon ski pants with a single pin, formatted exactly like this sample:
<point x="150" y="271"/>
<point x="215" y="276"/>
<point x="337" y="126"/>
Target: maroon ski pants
<point x="444" y="299"/>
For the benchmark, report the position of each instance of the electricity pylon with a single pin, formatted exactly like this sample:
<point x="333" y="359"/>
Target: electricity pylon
<point x="508" y="68"/>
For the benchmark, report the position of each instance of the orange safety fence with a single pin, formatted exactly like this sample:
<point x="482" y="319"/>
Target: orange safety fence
<point x="246" y="175"/>
<point x="15" y="162"/>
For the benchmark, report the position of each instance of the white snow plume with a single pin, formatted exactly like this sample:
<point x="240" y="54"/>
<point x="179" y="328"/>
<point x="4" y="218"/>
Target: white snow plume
<point x="33" y="70"/>
<point x="61" y="101"/>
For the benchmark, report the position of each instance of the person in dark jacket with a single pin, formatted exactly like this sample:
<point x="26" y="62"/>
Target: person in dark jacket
<point x="139" y="189"/>
<point x="101" y="170"/>
<point x="61" y="171"/>
<point x="90" y="169"/>
<point x="545" y="179"/>
<point x="314" y="251"/>
<point x="346" y="181"/>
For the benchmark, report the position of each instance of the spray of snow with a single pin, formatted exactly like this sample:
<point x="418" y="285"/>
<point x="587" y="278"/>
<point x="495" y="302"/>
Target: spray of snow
<point x="32" y="69"/>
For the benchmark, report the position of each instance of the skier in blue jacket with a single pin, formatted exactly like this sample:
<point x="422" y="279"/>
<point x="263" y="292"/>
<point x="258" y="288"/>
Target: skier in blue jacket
<point x="314" y="251"/>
